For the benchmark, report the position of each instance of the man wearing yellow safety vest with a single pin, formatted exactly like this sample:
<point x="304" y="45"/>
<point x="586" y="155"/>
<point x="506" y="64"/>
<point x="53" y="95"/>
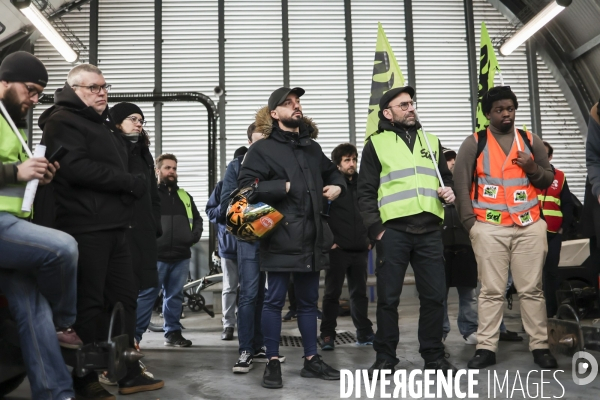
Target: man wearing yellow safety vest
<point x="496" y="174"/>
<point x="556" y="205"/>
<point x="399" y="196"/>
<point x="38" y="266"/>
<point x="182" y="227"/>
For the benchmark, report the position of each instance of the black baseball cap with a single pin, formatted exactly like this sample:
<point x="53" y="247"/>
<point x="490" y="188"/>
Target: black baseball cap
<point x="392" y="93"/>
<point x="279" y="96"/>
<point x="449" y="153"/>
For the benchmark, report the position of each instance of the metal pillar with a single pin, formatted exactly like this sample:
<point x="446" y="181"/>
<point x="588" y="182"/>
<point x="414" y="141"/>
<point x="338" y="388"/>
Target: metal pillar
<point x="157" y="76"/>
<point x="473" y="60"/>
<point x="285" y="41"/>
<point x="222" y="99"/>
<point x="410" y="45"/>
<point x="93" y="46"/>
<point x="350" y="71"/>
<point x="534" y="89"/>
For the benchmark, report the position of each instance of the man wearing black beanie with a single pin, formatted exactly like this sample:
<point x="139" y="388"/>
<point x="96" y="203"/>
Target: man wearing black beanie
<point x="38" y="265"/>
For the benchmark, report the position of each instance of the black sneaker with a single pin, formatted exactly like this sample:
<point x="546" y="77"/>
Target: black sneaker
<point x="482" y="359"/>
<point x="272" y="377"/>
<point x="443" y="365"/>
<point x="260" y="356"/>
<point x="141" y="383"/>
<point x="227" y="334"/>
<point x="92" y="391"/>
<point x="244" y="363"/>
<point x="509" y="336"/>
<point x="291" y="315"/>
<point x="316" y="368"/>
<point x="175" y="339"/>
<point x="381" y="365"/>
<point x="366" y="340"/>
<point x="327" y="343"/>
<point x="544" y="359"/>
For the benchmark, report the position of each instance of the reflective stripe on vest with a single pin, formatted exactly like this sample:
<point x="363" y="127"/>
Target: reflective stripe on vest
<point x="187" y="202"/>
<point x="550" y="202"/>
<point x="408" y="181"/>
<point x="11" y="151"/>
<point x="504" y="194"/>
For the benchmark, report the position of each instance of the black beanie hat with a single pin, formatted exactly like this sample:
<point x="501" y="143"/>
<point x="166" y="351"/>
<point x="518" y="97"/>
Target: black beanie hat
<point x="120" y="111"/>
<point x="22" y="66"/>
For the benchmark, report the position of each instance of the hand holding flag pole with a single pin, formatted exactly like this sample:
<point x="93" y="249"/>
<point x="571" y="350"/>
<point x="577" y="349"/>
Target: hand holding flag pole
<point x="435" y="164"/>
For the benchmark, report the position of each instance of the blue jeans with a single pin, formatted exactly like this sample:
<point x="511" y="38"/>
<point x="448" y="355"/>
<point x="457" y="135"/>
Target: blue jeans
<point x="306" y="286"/>
<point x="252" y="295"/>
<point x="467" y="311"/>
<point x="38" y="276"/>
<point x="171" y="278"/>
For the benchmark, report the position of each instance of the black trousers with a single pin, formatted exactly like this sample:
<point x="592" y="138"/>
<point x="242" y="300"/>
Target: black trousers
<point x="104" y="277"/>
<point x="353" y="265"/>
<point x="550" y="273"/>
<point x="425" y="253"/>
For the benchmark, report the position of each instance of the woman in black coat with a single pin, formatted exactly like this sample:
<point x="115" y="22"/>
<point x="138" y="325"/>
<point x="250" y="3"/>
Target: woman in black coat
<point x="144" y="226"/>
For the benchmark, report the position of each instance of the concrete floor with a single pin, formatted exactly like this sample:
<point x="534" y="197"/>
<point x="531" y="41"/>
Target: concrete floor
<point x="203" y="371"/>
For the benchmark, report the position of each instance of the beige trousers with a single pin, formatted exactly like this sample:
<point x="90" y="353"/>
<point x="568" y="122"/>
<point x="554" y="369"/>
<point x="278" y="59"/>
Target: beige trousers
<point x="523" y="249"/>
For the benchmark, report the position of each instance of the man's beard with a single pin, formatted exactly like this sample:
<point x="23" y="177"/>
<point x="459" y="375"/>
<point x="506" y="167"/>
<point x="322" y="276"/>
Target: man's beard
<point x="404" y="122"/>
<point x="349" y="172"/>
<point x="13" y="106"/>
<point x="169" y="182"/>
<point x="291" y="122"/>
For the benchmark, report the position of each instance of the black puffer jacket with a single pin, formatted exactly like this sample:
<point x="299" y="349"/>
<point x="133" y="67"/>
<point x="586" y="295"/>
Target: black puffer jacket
<point x="302" y="240"/>
<point x="349" y="232"/>
<point x="94" y="189"/>
<point x="177" y="237"/>
<point x="145" y="226"/>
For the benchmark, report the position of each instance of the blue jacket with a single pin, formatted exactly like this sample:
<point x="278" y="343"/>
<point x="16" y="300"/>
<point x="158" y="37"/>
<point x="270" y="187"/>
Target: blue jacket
<point x="227" y="242"/>
<point x="230" y="183"/>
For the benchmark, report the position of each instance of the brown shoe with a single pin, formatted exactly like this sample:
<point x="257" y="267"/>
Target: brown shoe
<point x="141" y="383"/>
<point x="67" y="338"/>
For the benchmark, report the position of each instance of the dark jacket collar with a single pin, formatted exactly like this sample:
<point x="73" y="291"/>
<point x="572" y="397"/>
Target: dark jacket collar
<point x="164" y="187"/>
<point x="301" y="138"/>
<point x="387" y="126"/>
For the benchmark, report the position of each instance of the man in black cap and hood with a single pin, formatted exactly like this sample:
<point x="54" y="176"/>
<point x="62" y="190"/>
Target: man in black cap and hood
<point x="38" y="265"/>
<point x="95" y="194"/>
<point x="400" y="199"/>
<point x="293" y="175"/>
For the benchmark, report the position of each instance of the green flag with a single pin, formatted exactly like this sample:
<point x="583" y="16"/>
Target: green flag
<point x="386" y="76"/>
<point x="488" y="65"/>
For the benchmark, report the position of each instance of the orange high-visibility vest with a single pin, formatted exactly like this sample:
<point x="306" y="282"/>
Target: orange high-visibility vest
<point x="550" y="201"/>
<point x="501" y="193"/>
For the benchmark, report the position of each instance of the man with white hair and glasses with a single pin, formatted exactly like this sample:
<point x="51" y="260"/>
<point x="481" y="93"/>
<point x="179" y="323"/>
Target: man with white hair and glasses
<point x="95" y="194"/>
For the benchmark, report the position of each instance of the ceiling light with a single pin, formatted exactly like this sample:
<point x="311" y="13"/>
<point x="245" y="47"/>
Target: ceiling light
<point x="534" y="25"/>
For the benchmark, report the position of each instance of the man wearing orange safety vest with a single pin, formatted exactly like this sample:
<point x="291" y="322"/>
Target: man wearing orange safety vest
<point x="557" y="209"/>
<point x="496" y="174"/>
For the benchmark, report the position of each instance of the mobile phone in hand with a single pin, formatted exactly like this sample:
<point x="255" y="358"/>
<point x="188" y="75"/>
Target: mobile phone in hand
<point x="58" y="155"/>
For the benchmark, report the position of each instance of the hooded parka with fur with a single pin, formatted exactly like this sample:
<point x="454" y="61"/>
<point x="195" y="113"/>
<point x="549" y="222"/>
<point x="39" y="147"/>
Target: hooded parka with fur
<point x="302" y="240"/>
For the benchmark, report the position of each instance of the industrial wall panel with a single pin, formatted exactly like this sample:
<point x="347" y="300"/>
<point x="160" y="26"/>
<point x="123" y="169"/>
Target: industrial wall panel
<point x="560" y="129"/>
<point x="58" y="68"/>
<point x="190" y="64"/>
<point x="253" y="63"/>
<point x="442" y="75"/>
<point x="365" y="16"/>
<point x="318" y="65"/>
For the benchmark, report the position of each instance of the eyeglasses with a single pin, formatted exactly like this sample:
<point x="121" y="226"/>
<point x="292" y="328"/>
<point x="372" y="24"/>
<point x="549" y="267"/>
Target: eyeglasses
<point x="95" y="88"/>
<point x="495" y="91"/>
<point x="136" y="120"/>
<point x="404" y="105"/>
<point x="32" y="91"/>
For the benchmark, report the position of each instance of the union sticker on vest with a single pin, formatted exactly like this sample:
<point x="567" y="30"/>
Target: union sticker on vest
<point x="490" y="191"/>
<point x="520" y="196"/>
<point x="525" y="218"/>
<point x="494" y="217"/>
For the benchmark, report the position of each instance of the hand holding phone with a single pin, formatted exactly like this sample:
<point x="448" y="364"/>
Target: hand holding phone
<point x="58" y="155"/>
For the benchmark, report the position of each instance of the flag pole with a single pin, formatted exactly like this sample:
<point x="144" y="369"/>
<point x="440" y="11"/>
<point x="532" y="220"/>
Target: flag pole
<point x="15" y="130"/>
<point x="435" y="164"/>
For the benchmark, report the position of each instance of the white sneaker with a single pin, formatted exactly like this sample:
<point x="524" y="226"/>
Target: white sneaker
<point x="103" y="379"/>
<point x="471" y="339"/>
